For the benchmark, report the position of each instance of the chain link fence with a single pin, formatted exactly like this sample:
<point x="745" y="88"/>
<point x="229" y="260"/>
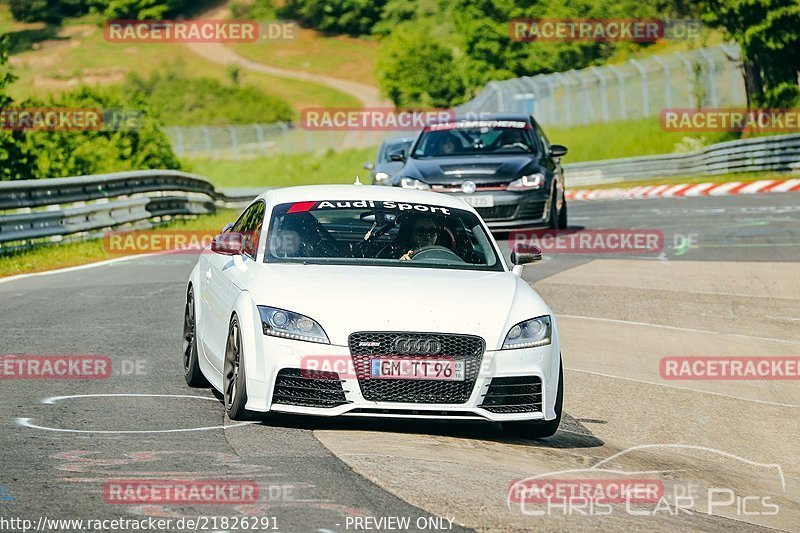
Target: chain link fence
<point x="707" y="77"/>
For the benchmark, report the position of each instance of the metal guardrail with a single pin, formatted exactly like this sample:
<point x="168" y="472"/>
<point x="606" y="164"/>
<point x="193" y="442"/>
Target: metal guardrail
<point x="60" y="207"/>
<point x="779" y="153"/>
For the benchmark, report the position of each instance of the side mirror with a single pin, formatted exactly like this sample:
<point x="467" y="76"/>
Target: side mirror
<point x="525" y="254"/>
<point x="557" y="150"/>
<point x="228" y="244"/>
<point x="227" y="227"/>
<point x="397" y="155"/>
<point x="369" y="165"/>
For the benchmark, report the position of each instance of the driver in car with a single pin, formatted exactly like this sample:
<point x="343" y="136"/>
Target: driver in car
<point x="285" y="244"/>
<point x="424" y="233"/>
<point x="512" y="138"/>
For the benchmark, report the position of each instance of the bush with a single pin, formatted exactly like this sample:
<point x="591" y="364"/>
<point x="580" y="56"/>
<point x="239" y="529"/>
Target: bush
<point x="185" y="101"/>
<point x="70" y="153"/>
<point x="353" y="17"/>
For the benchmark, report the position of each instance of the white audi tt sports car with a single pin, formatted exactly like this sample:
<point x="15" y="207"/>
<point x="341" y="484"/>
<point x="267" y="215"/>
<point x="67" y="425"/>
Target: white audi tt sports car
<point x="371" y="301"/>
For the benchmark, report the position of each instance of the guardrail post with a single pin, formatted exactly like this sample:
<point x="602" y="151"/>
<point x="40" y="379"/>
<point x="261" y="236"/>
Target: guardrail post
<point x="552" y="96"/>
<point x="588" y="110"/>
<point x="689" y="77"/>
<point x="645" y="91"/>
<point x="712" y="76"/>
<point x="737" y="78"/>
<point x="260" y="138"/>
<point x="621" y="92"/>
<point x="667" y="81"/>
<point x="565" y="104"/>
<point x="603" y="100"/>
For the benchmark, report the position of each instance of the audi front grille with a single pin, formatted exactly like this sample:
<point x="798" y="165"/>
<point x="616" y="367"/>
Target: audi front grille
<point x="467" y="348"/>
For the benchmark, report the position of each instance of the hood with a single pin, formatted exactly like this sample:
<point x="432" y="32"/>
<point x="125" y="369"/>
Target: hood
<point x="346" y="299"/>
<point x="481" y="170"/>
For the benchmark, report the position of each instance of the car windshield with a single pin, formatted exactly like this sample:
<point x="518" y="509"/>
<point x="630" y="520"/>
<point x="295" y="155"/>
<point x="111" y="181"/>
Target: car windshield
<point x="381" y="233"/>
<point x="484" y="137"/>
<point x="394" y="146"/>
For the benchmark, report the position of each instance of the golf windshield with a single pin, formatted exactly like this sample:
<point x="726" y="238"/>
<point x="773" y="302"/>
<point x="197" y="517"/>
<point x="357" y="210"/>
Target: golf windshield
<point x="480" y="137"/>
<point x="383" y="233"/>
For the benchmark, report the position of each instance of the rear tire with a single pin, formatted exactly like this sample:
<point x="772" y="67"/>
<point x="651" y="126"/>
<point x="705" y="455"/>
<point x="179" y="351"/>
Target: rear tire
<point x="540" y="429"/>
<point x="191" y="364"/>
<point x="234" y="382"/>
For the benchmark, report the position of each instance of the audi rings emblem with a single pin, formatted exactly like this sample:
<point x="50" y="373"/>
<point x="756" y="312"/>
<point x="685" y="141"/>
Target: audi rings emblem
<point x="412" y="346"/>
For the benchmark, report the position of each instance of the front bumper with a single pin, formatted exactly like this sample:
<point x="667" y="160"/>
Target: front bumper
<point x="512" y="209"/>
<point x="283" y="354"/>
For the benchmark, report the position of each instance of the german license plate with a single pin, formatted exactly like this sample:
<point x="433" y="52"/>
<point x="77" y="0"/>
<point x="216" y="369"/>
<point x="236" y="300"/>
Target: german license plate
<point x="480" y="201"/>
<point x="431" y="369"/>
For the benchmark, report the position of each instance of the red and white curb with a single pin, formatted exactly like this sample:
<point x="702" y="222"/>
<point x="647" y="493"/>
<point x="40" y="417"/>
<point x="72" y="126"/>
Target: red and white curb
<point x="686" y="190"/>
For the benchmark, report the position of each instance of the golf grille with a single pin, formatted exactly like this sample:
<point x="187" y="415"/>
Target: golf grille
<point x="366" y="345"/>
<point x="520" y="394"/>
<point x="498" y="212"/>
<point x="307" y="388"/>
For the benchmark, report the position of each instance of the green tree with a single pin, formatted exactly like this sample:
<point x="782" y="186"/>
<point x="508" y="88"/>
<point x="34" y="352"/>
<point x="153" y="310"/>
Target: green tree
<point x="417" y="70"/>
<point x="769" y="33"/>
<point x="353" y="17"/>
<point x="13" y="160"/>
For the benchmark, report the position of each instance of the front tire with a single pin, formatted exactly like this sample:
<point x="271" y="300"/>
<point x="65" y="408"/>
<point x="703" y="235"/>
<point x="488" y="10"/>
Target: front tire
<point x="562" y="215"/>
<point x="191" y="364"/>
<point x="540" y="429"/>
<point x="553" y="219"/>
<point x="234" y="382"/>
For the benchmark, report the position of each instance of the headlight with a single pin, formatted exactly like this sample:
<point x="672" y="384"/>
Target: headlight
<point x="381" y="177"/>
<point x="528" y="334"/>
<point x="534" y="181"/>
<point x="411" y="183"/>
<point x="281" y="323"/>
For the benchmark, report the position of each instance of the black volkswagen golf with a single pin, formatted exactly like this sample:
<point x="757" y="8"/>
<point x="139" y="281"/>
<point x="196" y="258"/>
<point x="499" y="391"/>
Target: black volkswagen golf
<point x="502" y="165"/>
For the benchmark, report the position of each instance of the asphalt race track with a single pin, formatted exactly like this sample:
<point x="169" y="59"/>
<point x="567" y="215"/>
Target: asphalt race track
<point x="726" y="453"/>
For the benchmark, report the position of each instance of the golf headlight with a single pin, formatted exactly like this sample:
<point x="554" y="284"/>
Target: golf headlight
<point x="381" y="176"/>
<point x="411" y="183"/>
<point x="528" y="334"/>
<point x="282" y="323"/>
<point x="533" y="181"/>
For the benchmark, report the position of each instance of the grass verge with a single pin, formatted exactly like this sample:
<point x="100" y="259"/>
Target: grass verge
<point x="286" y="170"/>
<point x="593" y="142"/>
<point x="55" y="256"/>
